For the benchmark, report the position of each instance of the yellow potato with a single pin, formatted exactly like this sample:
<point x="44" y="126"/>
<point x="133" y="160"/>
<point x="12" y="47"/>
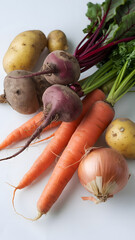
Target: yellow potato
<point x="120" y="135"/>
<point x="57" y="41"/>
<point x="24" y="51"/>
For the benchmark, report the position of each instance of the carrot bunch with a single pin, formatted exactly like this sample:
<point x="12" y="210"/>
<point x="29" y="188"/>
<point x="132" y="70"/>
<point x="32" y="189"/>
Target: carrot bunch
<point x="71" y="139"/>
<point x="85" y="136"/>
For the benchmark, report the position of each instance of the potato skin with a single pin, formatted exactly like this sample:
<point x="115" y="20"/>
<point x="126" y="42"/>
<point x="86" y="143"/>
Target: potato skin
<point x="21" y="93"/>
<point x="57" y="40"/>
<point x="120" y="135"/>
<point x="24" y="51"/>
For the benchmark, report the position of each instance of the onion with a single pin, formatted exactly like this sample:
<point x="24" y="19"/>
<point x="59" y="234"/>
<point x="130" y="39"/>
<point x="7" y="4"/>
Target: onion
<point x="103" y="172"/>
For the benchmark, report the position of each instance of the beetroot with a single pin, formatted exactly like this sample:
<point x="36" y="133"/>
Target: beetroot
<point x="60" y="104"/>
<point x="59" y="67"/>
<point x="66" y="65"/>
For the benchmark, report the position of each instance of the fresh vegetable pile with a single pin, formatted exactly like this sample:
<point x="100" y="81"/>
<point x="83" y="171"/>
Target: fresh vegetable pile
<point x="110" y="45"/>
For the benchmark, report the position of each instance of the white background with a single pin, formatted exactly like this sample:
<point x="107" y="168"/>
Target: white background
<point x="70" y="217"/>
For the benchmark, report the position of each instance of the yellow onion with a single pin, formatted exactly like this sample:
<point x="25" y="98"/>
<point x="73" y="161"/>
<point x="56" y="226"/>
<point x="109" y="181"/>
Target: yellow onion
<point x="103" y="172"/>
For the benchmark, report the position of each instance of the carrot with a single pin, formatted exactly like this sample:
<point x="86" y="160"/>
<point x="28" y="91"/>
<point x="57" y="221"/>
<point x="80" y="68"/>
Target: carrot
<point x="26" y="130"/>
<point x="91" y="127"/>
<point x="58" y="143"/>
<point x="38" y="141"/>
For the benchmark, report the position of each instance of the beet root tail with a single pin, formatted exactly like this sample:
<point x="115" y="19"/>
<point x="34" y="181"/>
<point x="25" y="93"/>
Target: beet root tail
<point x="45" y="123"/>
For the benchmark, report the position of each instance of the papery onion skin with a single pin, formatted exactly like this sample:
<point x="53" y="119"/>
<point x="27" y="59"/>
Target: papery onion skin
<point x="104" y="164"/>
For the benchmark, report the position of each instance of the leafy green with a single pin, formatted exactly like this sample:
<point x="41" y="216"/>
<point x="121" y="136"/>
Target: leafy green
<point x="122" y="85"/>
<point x="115" y="4"/>
<point x="109" y="70"/>
<point x="126" y="27"/>
<point x="109" y="25"/>
<point x="94" y="13"/>
<point x="119" y="22"/>
<point x="111" y="32"/>
<point x="124" y="52"/>
<point x="124" y="10"/>
<point x="123" y="58"/>
<point x="109" y="44"/>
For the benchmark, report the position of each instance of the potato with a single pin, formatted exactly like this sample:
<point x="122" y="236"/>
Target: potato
<point x="120" y="135"/>
<point x="41" y="85"/>
<point x="24" y="51"/>
<point x="57" y="40"/>
<point x="21" y="93"/>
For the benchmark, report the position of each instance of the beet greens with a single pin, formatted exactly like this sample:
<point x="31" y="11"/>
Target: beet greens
<point x="109" y="69"/>
<point x="111" y="22"/>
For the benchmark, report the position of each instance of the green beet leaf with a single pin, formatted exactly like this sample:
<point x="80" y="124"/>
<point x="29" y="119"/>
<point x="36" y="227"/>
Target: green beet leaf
<point x="114" y="5"/>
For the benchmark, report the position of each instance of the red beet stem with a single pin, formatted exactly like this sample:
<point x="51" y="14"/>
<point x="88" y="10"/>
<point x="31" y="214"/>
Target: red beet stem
<point x="93" y="36"/>
<point x="79" y="49"/>
<point x="47" y="71"/>
<point x="86" y="56"/>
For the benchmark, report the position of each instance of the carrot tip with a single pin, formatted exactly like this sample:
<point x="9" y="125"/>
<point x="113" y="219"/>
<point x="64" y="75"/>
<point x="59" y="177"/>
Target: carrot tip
<point x="10" y="184"/>
<point x="38" y="216"/>
<point x="31" y="219"/>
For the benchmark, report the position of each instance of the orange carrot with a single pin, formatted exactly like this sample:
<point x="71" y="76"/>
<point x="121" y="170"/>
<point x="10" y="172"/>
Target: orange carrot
<point x="58" y="143"/>
<point x="38" y="141"/>
<point x="85" y="136"/>
<point x="26" y="130"/>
